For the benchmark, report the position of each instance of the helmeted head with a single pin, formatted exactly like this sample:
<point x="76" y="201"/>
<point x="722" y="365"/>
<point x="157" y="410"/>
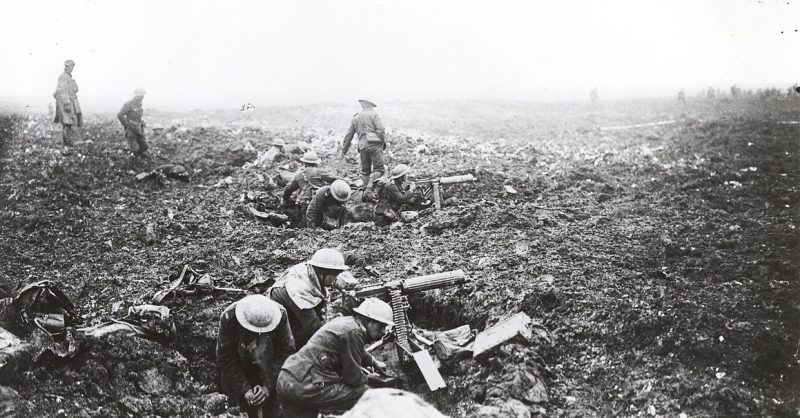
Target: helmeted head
<point x="139" y="92"/>
<point x="258" y="313"/>
<point x="69" y="65"/>
<point x="340" y="190"/>
<point x="400" y="170"/>
<point x="328" y="263"/>
<point x="379" y="314"/>
<point x="310" y="157"/>
<point x="328" y="258"/>
<point x="278" y="142"/>
<point x="366" y="104"/>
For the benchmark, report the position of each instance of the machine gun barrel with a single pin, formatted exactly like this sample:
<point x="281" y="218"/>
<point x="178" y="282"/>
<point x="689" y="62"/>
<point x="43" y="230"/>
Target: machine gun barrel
<point x="436" y="184"/>
<point x="457" y="179"/>
<point x="413" y="285"/>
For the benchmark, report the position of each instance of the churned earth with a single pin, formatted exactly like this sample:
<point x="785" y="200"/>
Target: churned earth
<point x="662" y="260"/>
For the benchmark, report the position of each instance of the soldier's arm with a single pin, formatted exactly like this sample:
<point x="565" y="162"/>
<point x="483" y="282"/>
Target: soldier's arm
<point x="396" y="195"/>
<point x="284" y="347"/>
<point x="122" y="115"/>
<point x="348" y="138"/>
<point x="233" y="379"/>
<point x="314" y="212"/>
<point x="290" y="188"/>
<point x="352" y="357"/>
<point x="380" y="130"/>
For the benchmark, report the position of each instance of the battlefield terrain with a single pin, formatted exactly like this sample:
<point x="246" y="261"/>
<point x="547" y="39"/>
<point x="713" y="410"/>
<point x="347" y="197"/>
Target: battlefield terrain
<point x="662" y="260"/>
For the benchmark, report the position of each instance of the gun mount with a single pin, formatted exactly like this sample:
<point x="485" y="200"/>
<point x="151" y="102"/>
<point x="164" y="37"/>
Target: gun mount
<point x="397" y="292"/>
<point x="436" y="183"/>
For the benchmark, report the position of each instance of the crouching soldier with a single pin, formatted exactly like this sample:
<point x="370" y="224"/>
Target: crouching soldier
<point x="302" y="290"/>
<point x="327" y="372"/>
<point x="306" y="182"/>
<point x="328" y="202"/>
<point x="130" y="116"/>
<point x="392" y="196"/>
<point x="253" y="342"/>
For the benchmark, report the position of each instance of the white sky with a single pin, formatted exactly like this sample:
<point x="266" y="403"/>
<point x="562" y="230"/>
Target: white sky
<point x="204" y="53"/>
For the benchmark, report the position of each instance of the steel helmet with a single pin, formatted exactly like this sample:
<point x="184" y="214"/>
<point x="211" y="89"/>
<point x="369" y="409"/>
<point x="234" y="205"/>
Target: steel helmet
<point x="377" y="310"/>
<point x="310" y="157"/>
<point x="69" y="62"/>
<point x="328" y="258"/>
<point x="340" y="190"/>
<point x="278" y="142"/>
<point x="258" y="313"/>
<point x="400" y="170"/>
<point x="139" y="92"/>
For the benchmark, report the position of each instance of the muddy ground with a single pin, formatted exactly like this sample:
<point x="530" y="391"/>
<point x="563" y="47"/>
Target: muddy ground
<point x="662" y="260"/>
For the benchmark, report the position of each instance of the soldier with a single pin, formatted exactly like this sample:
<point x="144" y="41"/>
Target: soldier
<point x="371" y="142"/>
<point x="392" y="196"/>
<point x="253" y="342"/>
<point x="327" y="372"/>
<point x="306" y="182"/>
<point x="302" y="291"/>
<point x="328" y="202"/>
<point x="130" y="116"/>
<point x="68" y="109"/>
<point x="682" y="96"/>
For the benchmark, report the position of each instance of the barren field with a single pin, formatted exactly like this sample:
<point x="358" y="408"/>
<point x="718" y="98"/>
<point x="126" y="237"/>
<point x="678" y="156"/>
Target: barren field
<point x="662" y="260"/>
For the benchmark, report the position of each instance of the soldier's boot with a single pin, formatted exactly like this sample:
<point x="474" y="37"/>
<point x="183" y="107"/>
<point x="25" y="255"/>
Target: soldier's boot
<point x="366" y="178"/>
<point x="66" y="134"/>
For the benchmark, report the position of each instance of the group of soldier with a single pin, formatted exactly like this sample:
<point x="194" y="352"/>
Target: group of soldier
<point x="68" y="112"/>
<point x="275" y="351"/>
<point x="313" y="196"/>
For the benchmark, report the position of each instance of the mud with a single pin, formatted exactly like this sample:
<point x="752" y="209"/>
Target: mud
<point x="662" y="260"/>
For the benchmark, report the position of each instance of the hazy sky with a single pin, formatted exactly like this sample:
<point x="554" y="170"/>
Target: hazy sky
<point x="203" y="53"/>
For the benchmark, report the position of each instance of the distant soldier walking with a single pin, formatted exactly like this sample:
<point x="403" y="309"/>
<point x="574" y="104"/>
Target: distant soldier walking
<point x="131" y="118"/>
<point x="371" y="142"/>
<point x="68" y="109"/>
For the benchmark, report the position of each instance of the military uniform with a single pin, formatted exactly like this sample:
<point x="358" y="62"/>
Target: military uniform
<point x="371" y="142"/>
<point x="246" y="359"/>
<point x="322" y="205"/>
<point x="391" y="199"/>
<point x="305" y="299"/>
<point x="68" y="109"/>
<point x="326" y="372"/>
<point x="306" y="182"/>
<point x="131" y="118"/>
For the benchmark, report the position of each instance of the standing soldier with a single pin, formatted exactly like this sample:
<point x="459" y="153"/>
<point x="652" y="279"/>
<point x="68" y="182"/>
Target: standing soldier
<point x="302" y="290"/>
<point x="328" y="202"/>
<point x="68" y="109"/>
<point x="371" y="142"/>
<point x="131" y="118"/>
<point x="253" y="342"/>
<point x="306" y="182"/>
<point x="392" y="196"/>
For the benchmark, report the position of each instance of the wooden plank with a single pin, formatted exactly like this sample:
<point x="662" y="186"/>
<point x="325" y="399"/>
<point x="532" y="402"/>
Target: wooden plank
<point x="429" y="370"/>
<point x="519" y="324"/>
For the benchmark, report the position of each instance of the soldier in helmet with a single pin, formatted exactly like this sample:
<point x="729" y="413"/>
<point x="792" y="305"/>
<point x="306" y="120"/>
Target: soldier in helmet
<point x="68" y="109"/>
<point x="302" y="290"/>
<point x="275" y="152"/>
<point x="371" y="142"/>
<point x="305" y="182"/>
<point x="130" y="116"/>
<point x="327" y="372"/>
<point x="328" y="202"/>
<point x="253" y="342"/>
<point x="392" y="196"/>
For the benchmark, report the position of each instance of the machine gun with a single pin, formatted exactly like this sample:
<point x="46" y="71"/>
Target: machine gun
<point x="397" y="292"/>
<point x="435" y="185"/>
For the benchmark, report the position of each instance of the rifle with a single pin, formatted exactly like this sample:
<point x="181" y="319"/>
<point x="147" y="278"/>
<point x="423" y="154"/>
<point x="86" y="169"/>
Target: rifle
<point x="435" y="185"/>
<point x="407" y="342"/>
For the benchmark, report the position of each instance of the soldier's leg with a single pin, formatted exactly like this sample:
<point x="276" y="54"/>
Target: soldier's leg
<point x="66" y="134"/>
<point x="366" y="168"/>
<point x="337" y="396"/>
<point x="133" y="146"/>
<point x="376" y="156"/>
<point x="141" y="143"/>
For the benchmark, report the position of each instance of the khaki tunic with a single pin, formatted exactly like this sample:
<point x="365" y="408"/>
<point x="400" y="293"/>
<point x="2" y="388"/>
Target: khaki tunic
<point x="68" y="109"/>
